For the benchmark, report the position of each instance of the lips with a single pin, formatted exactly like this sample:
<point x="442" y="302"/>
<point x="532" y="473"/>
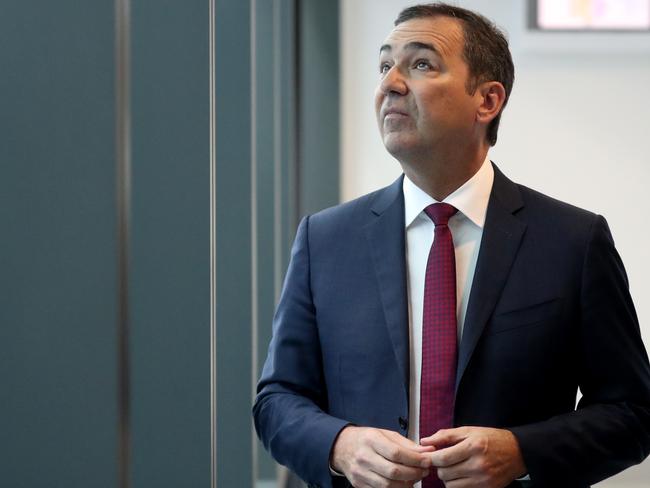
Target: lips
<point x="395" y="112"/>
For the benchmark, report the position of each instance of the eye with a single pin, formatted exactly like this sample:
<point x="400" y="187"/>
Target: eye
<point x="422" y="65"/>
<point x="384" y="68"/>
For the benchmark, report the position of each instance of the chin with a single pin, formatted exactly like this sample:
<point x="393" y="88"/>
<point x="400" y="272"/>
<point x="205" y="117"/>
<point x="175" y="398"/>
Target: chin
<point x="397" y="147"/>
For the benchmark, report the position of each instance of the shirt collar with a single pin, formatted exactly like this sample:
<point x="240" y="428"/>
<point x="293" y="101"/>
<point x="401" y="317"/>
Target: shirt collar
<point x="471" y="198"/>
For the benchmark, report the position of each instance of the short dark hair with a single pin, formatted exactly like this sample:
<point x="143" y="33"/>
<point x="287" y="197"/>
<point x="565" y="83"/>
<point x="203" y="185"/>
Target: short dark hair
<point x="485" y="50"/>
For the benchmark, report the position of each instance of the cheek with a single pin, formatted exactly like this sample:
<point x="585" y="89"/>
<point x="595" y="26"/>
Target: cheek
<point x="432" y="108"/>
<point x="446" y="106"/>
<point x="464" y="103"/>
<point x="379" y="99"/>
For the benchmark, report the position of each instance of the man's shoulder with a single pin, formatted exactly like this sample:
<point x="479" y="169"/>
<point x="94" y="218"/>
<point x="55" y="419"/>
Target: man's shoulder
<point x="358" y="211"/>
<point x="537" y="204"/>
<point x="546" y="203"/>
<point x="548" y="219"/>
<point x="554" y="221"/>
<point x="548" y="207"/>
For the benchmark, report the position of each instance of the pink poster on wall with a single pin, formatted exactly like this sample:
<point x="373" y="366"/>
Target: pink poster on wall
<point x="593" y="14"/>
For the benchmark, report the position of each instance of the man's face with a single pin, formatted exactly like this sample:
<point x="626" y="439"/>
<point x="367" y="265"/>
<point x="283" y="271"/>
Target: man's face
<point x="421" y="102"/>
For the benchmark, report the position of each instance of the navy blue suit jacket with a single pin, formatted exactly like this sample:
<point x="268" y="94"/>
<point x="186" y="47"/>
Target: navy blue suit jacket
<point x="549" y="312"/>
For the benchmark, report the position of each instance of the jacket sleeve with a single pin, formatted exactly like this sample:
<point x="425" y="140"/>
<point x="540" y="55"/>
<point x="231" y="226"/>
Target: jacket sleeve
<point x="610" y="429"/>
<point x="289" y="411"/>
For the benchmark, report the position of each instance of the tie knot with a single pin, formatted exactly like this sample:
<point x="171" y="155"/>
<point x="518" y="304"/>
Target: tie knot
<point x="440" y="213"/>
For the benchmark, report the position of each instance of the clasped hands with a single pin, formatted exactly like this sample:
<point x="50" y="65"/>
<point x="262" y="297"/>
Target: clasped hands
<point x="464" y="457"/>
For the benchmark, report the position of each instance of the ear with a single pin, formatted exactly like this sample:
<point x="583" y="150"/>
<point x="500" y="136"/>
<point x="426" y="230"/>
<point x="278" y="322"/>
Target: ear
<point x="492" y="97"/>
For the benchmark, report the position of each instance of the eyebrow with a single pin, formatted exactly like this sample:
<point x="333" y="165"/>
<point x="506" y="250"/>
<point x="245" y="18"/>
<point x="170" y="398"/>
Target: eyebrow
<point x="411" y="46"/>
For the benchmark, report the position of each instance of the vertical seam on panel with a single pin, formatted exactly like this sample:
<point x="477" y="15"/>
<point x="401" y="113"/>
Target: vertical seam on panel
<point x="213" y="250"/>
<point x="254" y="234"/>
<point x="298" y="127"/>
<point x="123" y="203"/>
<point x="277" y="153"/>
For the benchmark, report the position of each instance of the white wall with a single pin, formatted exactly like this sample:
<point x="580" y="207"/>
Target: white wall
<point x="577" y="127"/>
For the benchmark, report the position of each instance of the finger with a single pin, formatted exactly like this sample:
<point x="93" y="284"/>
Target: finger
<point x="392" y="451"/>
<point x="406" y="442"/>
<point x="451" y="455"/>
<point x="461" y="483"/>
<point x="398" y="438"/>
<point x="397" y="472"/>
<point x="373" y="480"/>
<point x="456" y="471"/>
<point x="446" y="437"/>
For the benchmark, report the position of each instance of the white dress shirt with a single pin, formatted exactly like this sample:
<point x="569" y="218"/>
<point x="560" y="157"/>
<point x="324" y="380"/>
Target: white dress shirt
<point x="466" y="226"/>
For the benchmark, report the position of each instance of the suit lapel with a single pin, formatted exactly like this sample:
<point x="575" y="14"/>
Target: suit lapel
<point x="502" y="235"/>
<point x="385" y="236"/>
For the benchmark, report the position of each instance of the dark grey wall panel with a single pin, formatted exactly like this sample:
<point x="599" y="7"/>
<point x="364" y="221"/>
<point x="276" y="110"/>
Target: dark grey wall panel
<point x="319" y="104"/>
<point x="266" y="66"/>
<point x="290" y="190"/>
<point x="296" y="120"/>
<point x="276" y="192"/>
<point x="233" y="243"/>
<point x="58" y="262"/>
<point x="57" y="245"/>
<point x="170" y="340"/>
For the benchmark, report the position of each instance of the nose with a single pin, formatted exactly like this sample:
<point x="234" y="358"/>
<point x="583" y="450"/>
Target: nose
<point x="393" y="82"/>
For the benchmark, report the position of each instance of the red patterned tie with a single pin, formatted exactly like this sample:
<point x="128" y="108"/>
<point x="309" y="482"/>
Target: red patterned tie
<point x="439" y="332"/>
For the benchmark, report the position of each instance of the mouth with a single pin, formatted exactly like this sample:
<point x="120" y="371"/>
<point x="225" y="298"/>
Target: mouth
<point x="393" y="113"/>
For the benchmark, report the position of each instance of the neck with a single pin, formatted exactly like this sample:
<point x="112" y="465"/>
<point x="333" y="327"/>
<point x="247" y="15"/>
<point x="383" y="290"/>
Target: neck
<point x="440" y="177"/>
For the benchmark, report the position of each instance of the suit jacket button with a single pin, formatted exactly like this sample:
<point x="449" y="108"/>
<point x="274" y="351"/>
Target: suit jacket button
<point x="403" y="423"/>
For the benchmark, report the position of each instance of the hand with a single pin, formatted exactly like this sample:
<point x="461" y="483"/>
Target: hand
<point x="376" y="458"/>
<point x="478" y="457"/>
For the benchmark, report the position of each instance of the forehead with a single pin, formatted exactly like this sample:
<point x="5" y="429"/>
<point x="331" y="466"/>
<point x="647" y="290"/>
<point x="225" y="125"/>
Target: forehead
<point x="444" y="33"/>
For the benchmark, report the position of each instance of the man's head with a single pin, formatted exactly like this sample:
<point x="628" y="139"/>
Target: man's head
<point x="446" y="74"/>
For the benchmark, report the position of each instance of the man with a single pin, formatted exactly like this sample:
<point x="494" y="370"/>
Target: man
<point x="435" y="333"/>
